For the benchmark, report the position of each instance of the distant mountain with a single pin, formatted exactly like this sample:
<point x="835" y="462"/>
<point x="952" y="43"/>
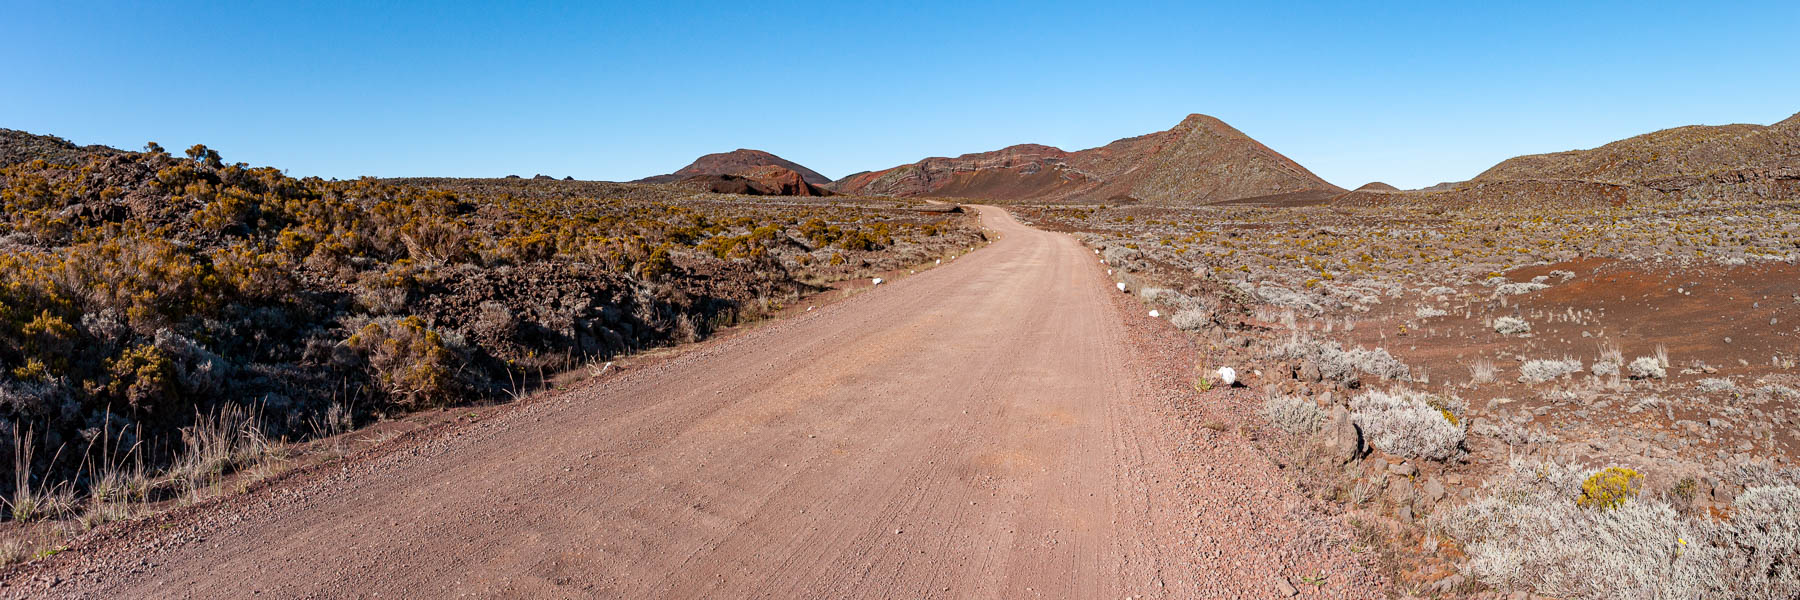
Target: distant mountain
<point x="19" y="146"/>
<point x="1668" y="159"/>
<point x="767" y="180"/>
<point x="737" y="162"/>
<point x="1746" y="161"/>
<point x="1200" y="161"/>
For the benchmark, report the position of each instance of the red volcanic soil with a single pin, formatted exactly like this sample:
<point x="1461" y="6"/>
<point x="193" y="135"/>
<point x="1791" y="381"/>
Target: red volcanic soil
<point x="737" y="162"/>
<point x="1713" y="321"/>
<point x="1200" y="161"/>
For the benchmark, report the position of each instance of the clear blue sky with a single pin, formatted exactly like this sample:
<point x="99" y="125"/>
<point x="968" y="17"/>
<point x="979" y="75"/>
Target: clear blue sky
<point x="1408" y="94"/>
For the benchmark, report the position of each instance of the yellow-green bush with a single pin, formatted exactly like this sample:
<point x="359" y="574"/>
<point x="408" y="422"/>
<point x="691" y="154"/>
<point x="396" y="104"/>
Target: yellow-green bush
<point x="143" y="377"/>
<point x="409" y="360"/>
<point x="1610" y="488"/>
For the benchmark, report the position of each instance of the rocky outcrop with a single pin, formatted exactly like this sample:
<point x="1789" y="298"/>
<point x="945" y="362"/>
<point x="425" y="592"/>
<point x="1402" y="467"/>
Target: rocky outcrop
<point x="1341" y="438"/>
<point x="19" y="147"/>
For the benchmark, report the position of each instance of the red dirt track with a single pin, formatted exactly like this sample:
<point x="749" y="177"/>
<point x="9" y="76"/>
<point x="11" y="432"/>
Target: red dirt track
<point x="987" y="428"/>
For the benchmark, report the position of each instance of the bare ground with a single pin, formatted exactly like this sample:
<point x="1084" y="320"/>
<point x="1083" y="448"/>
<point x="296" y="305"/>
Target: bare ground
<point x="1003" y="426"/>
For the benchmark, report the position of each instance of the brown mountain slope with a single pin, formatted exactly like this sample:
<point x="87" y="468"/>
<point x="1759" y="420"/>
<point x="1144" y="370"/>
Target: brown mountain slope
<point x="19" y="146"/>
<point x="1200" y="161"/>
<point x="1697" y="161"/>
<point x="1681" y="152"/>
<point x="767" y="180"/>
<point x="1209" y="161"/>
<point x="737" y="162"/>
<point x="1010" y="173"/>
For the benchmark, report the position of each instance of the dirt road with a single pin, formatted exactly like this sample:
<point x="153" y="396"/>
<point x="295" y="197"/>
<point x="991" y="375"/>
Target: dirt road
<point x="983" y="429"/>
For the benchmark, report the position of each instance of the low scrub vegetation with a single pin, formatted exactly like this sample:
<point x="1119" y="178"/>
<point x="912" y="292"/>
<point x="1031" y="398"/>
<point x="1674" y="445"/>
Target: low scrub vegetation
<point x="1337" y="364"/>
<point x="1539" y="371"/>
<point x="1410" y="423"/>
<point x="1570" y="532"/>
<point x="1294" y="415"/>
<point x="141" y="292"/>
<point x="1511" y="326"/>
<point x="1451" y="294"/>
<point x="1646" y="367"/>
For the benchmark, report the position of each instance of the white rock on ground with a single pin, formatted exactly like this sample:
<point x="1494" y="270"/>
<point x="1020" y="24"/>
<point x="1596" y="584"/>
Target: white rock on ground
<point x="1121" y="286"/>
<point x="1154" y="313"/>
<point x="877" y="281"/>
<point x="1227" y="376"/>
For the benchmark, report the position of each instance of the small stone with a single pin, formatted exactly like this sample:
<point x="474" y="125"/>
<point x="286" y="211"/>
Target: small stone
<point x="1403" y="469"/>
<point x="1341" y="437"/>
<point x="1284" y="588"/>
<point x="1401" y="489"/>
<point x="1309" y="372"/>
<point x="1433" y="490"/>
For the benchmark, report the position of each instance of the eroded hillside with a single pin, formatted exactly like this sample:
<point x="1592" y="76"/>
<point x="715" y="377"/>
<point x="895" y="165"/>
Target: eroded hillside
<point x="1199" y="161"/>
